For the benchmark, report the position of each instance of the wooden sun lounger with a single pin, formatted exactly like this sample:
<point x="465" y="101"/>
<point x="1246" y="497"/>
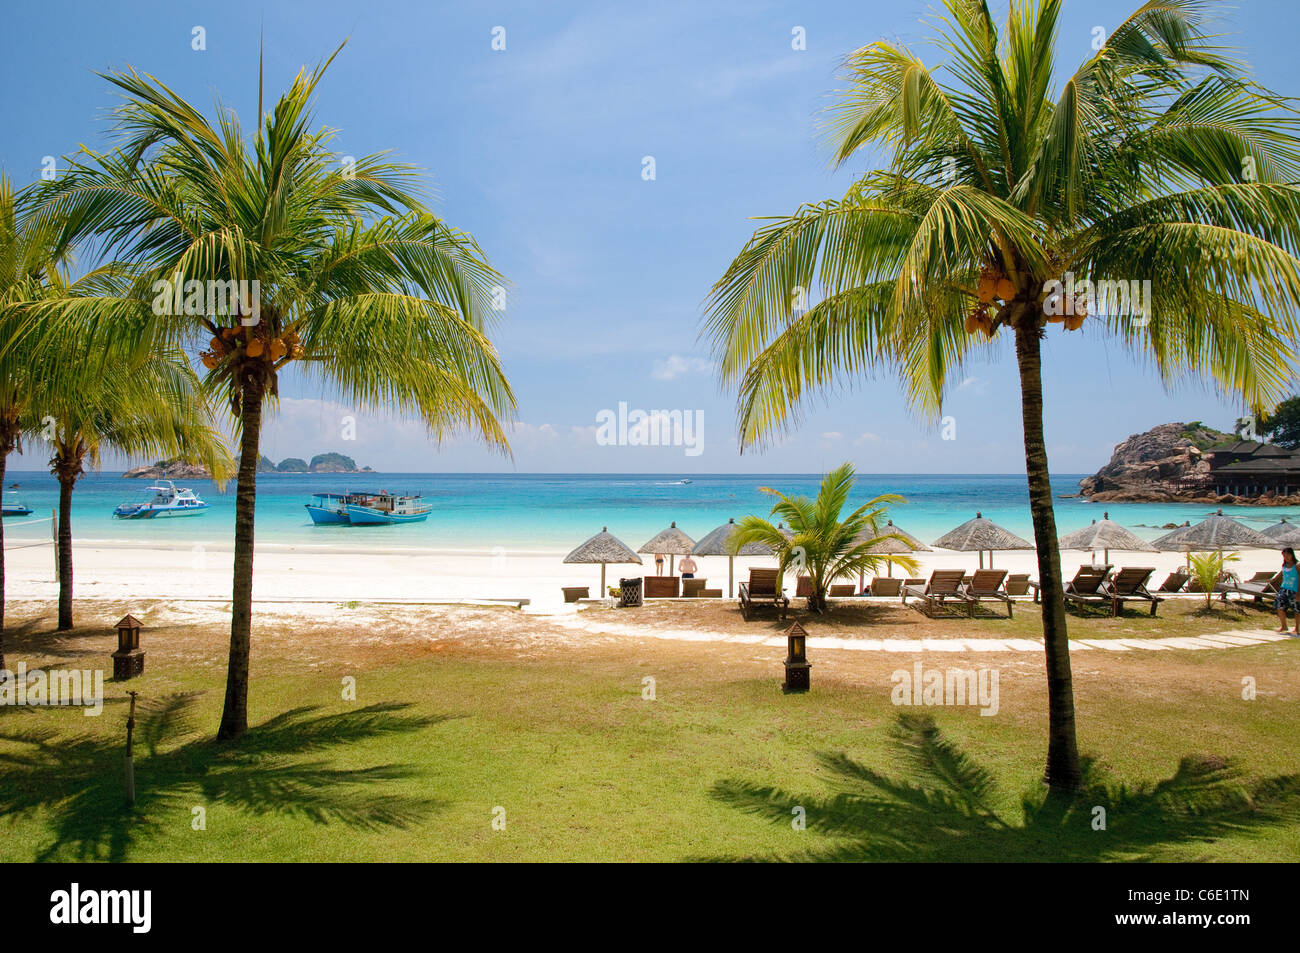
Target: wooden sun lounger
<point x="944" y="587"/>
<point x="1174" y="582"/>
<point x="762" y="591"/>
<point x="986" y="586"/>
<point x="1259" y="587"/>
<point x="1017" y="584"/>
<point x="1084" y="590"/>
<point x="1130" y="585"/>
<point x="841" y="589"/>
<point x="886" y="586"/>
<point x="1081" y="583"/>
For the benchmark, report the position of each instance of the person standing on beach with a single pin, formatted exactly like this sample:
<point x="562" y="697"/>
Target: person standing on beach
<point x="1284" y="601"/>
<point x="687" y="567"/>
<point x="659" y="564"/>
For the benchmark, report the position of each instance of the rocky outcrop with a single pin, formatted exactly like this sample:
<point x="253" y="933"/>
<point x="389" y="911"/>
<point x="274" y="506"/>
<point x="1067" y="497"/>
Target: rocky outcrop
<point x="171" y="470"/>
<point x="333" y="463"/>
<point x="1165" y="465"/>
<point x="321" y="463"/>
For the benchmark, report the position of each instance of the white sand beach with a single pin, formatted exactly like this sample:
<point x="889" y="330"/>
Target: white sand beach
<point x="129" y="574"/>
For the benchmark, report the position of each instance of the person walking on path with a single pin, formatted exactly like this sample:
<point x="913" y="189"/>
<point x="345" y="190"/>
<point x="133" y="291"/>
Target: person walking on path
<point x="1285" y="600"/>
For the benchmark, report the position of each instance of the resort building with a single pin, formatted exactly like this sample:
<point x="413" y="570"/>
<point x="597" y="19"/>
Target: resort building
<point x="1251" y="468"/>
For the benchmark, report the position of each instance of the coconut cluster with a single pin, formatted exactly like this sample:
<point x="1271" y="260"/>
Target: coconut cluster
<point x="995" y="288"/>
<point x="255" y="343"/>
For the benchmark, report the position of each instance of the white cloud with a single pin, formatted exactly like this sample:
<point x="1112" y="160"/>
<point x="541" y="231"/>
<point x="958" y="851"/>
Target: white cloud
<point x="676" y="365"/>
<point x="867" y="438"/>
<point x="524" y="430"/>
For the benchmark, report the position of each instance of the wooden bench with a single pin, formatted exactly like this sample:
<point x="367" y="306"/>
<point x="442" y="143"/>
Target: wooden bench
<point x="574" y="593"/>
<point x="693" y="588"/>
<point x="662" y="587"/>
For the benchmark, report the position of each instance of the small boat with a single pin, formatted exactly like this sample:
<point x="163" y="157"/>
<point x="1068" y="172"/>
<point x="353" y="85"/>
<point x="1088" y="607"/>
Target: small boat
<point x="12" y="504"/>
<point x="384" y="507"/>
<point x="332" y="507"/>
<point x="166" y="501"/>
<point x="684" y="482"/>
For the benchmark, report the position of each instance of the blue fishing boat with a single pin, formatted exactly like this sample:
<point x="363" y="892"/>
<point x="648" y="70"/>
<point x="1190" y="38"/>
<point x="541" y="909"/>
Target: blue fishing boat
<point x="332" y="507"/>
<point x="384" y="507"/>
<point x="165" y="501"/>
<point x="367" y="509"/>
<point x="12" y="505"/>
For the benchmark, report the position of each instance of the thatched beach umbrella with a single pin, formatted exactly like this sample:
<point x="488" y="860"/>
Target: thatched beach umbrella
<point x="978" y="535"/>
<point x="893" y="547"/>
<point x="1284" y="533"/>
<point x="1217" y="532"/>
<point x="671" y="541"/>
<point x="603" y="548"/>
<point x="718" y="543"/>
<point x="1105" y="535"/>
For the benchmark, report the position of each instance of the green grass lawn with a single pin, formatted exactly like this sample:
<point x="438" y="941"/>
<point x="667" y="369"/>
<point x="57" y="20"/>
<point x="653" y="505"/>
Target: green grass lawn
<point x="586" y="769"/>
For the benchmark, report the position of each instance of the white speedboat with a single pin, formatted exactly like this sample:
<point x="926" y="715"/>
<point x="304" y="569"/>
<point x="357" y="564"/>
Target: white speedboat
<point x="165" y="501"/>
<point x="13" y="504"/>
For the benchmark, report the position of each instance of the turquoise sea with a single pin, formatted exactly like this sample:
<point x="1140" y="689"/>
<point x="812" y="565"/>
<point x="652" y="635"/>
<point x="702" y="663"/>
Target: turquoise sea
<point x="554" y="512"/>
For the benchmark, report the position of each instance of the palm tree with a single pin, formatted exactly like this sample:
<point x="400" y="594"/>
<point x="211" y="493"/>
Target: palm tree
<point x="156" y="408"/>
<point x="31" y="268"/>
<point x="1208" y="571"/>
<point x="821" y="544"/>
<point x="340" y="270"/>
<point x="1155" y="161"/>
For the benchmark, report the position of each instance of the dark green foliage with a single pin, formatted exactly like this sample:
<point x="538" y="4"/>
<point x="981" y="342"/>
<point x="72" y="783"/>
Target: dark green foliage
<point x="1282" y="426"/>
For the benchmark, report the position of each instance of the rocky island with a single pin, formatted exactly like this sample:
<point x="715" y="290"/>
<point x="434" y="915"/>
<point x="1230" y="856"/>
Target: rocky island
<point x="171" y="470"/>
<point x="321" y="463"/>
<point x="1193" y="463"/>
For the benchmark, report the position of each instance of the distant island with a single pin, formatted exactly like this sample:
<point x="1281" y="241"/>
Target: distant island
<point x="321" y="463"/>
<point x="1193" y="463"/>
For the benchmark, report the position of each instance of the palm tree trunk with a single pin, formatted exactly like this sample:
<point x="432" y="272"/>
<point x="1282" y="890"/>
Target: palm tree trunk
<point x="1062" y="773"/>
<point x="66" y="483"/>
<point x="234" y="717"/>
<point x="817" y="601"/>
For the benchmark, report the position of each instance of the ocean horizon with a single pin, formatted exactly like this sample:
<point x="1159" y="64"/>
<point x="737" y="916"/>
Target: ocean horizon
<point x="549" y="512"/>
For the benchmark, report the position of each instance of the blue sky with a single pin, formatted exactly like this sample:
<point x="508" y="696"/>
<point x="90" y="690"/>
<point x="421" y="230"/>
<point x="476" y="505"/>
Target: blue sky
<point x="538" y="150"/>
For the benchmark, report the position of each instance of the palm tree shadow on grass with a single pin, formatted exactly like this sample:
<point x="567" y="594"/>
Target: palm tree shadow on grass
<point x="78" y="780"/>
<point x="946" y="812"/>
